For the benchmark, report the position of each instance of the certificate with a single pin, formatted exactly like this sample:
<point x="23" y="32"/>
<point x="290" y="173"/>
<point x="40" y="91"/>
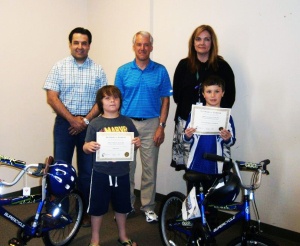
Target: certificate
<point x="115" y="146"/>
<point x="209" y="120"/>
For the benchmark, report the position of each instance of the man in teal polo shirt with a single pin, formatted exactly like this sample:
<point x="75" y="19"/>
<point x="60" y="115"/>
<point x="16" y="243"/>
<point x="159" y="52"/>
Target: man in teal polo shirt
<point x="146" y="89"/>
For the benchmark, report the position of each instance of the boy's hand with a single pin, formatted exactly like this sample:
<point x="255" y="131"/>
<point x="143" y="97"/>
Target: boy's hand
<point x="225" y="134"/>
<point x="137" y="142"/>
<point x="90" y="147"/>
<point x="189" y="132"/>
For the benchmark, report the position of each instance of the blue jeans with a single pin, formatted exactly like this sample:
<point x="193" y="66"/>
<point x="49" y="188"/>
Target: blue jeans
<point x="64" y="145"/>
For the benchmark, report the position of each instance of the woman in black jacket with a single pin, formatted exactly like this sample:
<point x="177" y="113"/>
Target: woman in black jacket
<point x="202" y="61"/>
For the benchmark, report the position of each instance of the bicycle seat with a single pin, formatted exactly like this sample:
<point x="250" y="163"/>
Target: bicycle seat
<point x="196" y="177"/>
<point x="225" y="191"/>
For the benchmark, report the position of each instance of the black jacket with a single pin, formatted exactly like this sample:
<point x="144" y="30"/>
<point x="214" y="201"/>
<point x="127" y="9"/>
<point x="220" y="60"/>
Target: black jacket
<point x="186" y="86"/>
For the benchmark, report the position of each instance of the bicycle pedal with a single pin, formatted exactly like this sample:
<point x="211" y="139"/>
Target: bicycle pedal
<point x="15" y="242"/>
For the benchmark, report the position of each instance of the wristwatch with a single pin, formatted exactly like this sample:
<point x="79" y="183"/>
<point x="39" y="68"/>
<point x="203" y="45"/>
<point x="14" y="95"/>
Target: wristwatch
<point x="162" y="124"/>
<point x="86" y="121"/>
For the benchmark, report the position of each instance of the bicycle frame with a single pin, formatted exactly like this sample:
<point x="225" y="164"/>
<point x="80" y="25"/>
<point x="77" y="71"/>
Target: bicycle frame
<point x="182" y="224"/>
<point x="30" y="231"/>
<point x="243" y="214"/>
<point x="17" y="201"/>
<point x="242" y="208"/>
<point x="57" y="217"/>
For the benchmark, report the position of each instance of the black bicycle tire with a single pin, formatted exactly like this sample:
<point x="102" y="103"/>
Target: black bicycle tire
<point x="52" y="238"/>
<point x="253" y="239"/>
<point x="174" y="199"/>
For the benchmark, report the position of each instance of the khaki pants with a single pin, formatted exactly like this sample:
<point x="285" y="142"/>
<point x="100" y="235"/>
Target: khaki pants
<point x="149" y="157"/>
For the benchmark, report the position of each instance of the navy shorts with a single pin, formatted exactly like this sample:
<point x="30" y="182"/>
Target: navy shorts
<point x="106" y="189"/>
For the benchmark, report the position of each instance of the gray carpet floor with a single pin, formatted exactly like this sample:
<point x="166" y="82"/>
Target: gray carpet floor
<point x="143" y="233"/>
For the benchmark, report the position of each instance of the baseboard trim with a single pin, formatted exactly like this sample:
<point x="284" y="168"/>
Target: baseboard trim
<point x="281" y="232"/>
<point x="271" y="230"/>
<point x="34" y="190"/>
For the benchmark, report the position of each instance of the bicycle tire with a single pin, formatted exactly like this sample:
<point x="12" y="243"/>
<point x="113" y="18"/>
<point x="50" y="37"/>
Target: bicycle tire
<point x="253" y="239"/>
<point x="171" y="210"/>
<point x="64" y="236"/>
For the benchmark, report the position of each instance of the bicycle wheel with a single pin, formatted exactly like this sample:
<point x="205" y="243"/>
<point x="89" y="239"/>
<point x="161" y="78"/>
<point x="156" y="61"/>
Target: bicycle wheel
<point x="170" y="212"/>
<point x="72" y="205"/>
<point x="253" y="239"/>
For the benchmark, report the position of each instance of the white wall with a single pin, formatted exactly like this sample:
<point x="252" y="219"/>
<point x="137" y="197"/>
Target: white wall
<point x="259" y="39"/>
<point x="34" y="35"/>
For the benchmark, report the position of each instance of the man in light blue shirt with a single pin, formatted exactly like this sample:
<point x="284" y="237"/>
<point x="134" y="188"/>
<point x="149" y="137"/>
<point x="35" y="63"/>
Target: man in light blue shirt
<point x="146" y="89"/>
<point x="71" y="87"/>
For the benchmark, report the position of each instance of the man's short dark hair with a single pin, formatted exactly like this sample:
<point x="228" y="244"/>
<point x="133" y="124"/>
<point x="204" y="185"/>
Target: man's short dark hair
<point x="80" y="30"/>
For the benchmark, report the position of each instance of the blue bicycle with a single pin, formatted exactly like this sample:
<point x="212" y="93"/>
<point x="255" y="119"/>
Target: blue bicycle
<point x="175" y="231"/>
<point x="60" y="207"/>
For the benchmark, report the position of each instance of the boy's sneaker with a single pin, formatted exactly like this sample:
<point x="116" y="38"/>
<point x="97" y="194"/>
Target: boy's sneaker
<point x="151" y="216"/>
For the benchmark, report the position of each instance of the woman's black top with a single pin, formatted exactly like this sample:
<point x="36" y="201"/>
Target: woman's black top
<point x="187" y="86"/>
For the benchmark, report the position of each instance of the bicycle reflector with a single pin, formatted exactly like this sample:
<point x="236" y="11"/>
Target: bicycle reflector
<point x="61" y="178"/>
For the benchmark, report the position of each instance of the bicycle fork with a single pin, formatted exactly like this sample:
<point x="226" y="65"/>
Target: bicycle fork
<point x="199" y="233"/>
<point x="247" y="227"/>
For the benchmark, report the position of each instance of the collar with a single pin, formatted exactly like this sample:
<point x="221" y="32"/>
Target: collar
<point x="149" y="66"/>
<point x="86" y="63"/>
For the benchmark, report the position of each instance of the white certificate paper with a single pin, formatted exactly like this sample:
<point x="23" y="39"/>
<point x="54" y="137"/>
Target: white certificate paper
<point x="115" y="146"/>
<point x="209" y="120"/>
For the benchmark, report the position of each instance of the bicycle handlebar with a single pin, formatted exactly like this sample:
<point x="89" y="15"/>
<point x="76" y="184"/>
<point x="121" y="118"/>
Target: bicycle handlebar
<point x="260" y="167"/>
<point x="38" y="172"/>
<point x="213" y="157"/>
<point x="242" y="164"/>
<point x="12" y="162"/>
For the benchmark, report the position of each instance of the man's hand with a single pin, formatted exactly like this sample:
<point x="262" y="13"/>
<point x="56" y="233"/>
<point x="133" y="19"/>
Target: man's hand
<point x="159" y="136"/>
<point x="76" y="122"/>
<point x="77" y="125"/>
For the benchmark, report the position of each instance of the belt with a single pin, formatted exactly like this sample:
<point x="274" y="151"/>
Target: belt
<point x="139" y="119"/>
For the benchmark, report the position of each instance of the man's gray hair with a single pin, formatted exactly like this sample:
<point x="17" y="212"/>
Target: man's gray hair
<point x="144" y="34"/>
